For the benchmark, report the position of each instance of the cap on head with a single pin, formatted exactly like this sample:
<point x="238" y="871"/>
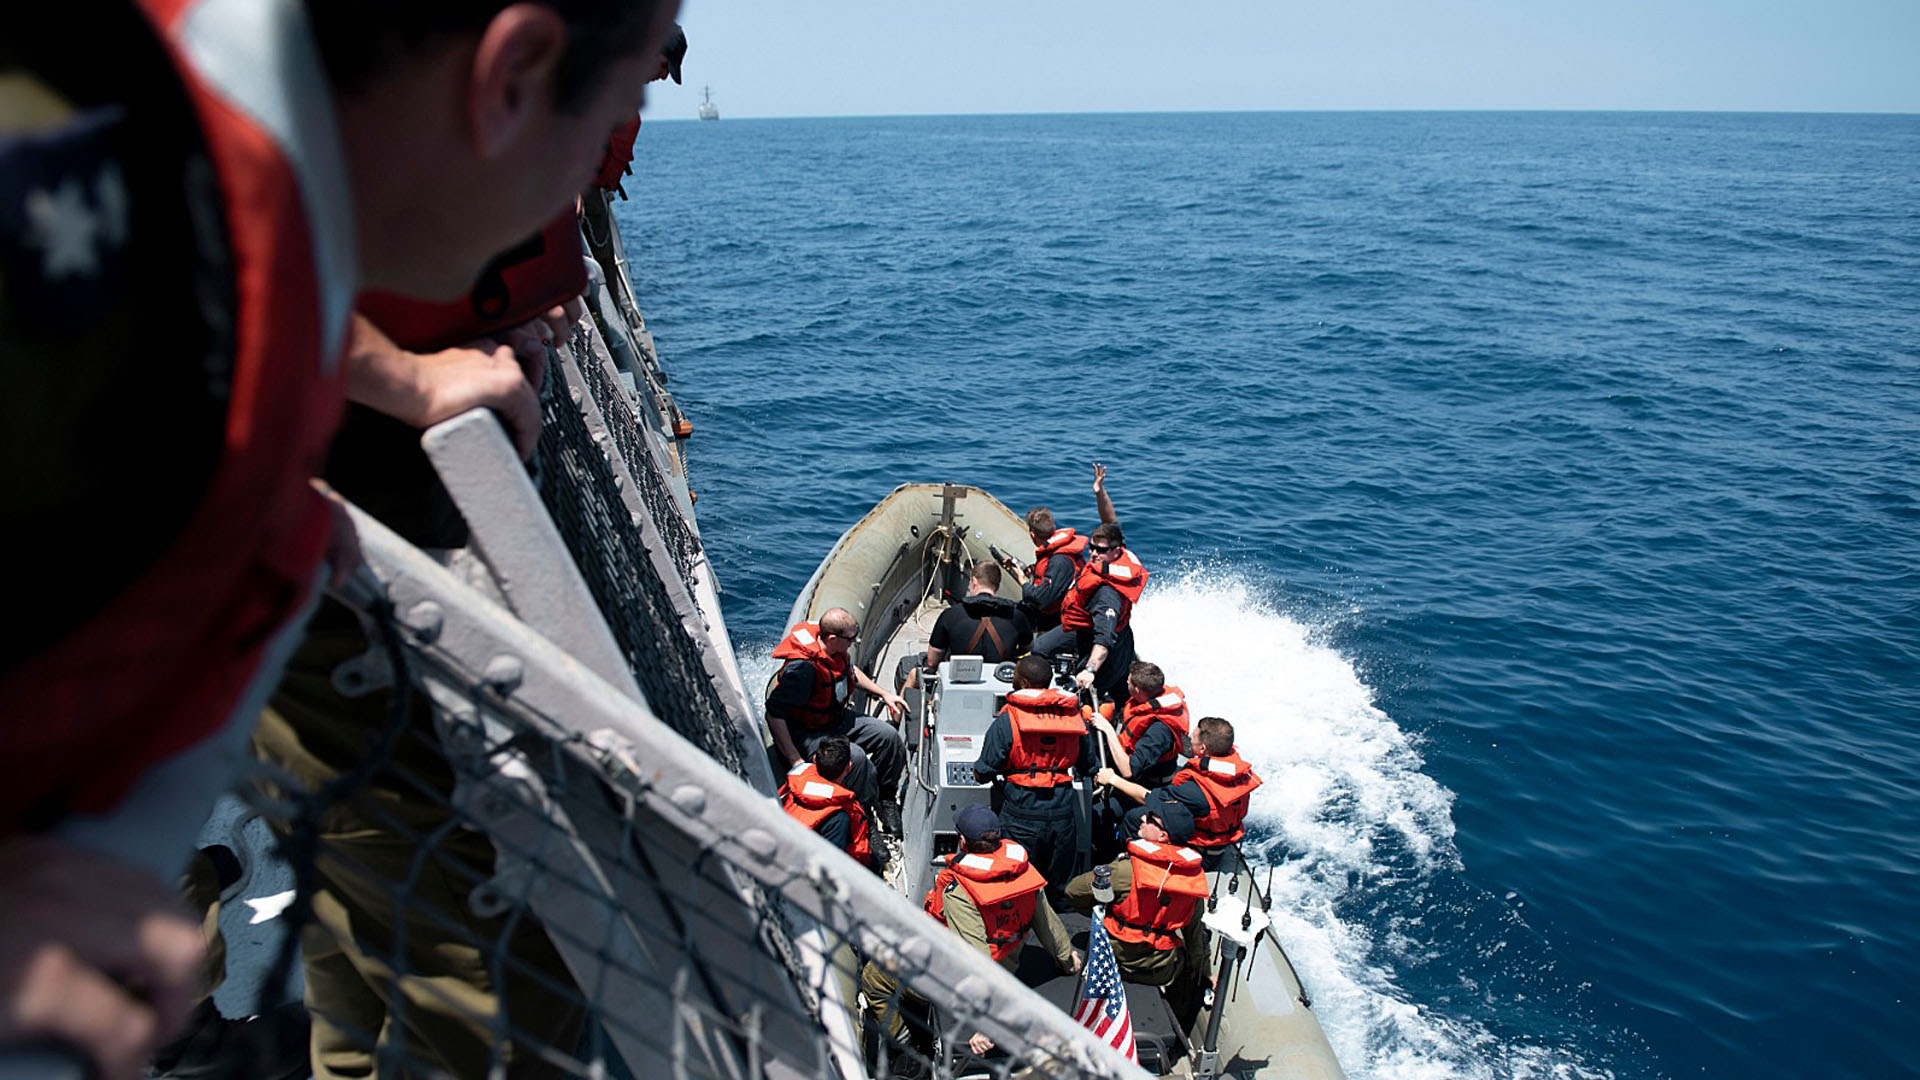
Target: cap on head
<point x="675" y="51"/>
<point x="975" y="822"/>
<point x="1173" y="814"/>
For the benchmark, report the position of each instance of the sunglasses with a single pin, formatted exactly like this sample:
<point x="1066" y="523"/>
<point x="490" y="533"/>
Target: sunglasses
<point x="1098" y="550"/>
<point x="855" y="636"/>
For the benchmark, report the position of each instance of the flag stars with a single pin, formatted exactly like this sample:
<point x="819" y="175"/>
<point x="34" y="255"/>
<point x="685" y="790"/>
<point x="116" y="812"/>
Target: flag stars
<point x="68" y="228"/>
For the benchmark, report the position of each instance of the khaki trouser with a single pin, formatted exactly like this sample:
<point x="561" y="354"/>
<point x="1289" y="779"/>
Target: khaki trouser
<point x="394" y="956"/>
<point x="885" y="1001"/>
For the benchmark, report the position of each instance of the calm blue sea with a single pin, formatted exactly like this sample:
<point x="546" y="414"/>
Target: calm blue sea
<point x="1535" y="491"/>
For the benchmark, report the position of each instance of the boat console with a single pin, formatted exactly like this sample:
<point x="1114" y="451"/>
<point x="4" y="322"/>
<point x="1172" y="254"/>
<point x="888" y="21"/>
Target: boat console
<point x="963" y="702"/>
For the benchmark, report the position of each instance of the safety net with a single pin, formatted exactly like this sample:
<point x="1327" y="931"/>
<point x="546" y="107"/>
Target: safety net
<point x="511" y="856"/>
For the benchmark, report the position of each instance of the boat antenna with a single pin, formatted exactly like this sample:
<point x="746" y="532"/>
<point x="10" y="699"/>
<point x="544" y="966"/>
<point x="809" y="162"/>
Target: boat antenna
<point x="1246" y="913"/>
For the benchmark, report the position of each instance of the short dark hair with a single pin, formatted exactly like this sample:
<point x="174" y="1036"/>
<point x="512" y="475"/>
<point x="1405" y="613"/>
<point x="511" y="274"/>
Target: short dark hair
<point x="832" y="756"/>
<point x="1032" y="673"/>
<point x="1108" y="531"/>
<point x="361" y="41"/>
<point x="1040" y="520"/>
<point x="987" y="573"/>
<point x="1213" y="736"/>
<point x="988" y="843"/>
<point x="1148" y="677"/>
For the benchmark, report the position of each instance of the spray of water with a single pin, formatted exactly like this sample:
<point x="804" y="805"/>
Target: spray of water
<point x="1346" y="812"/>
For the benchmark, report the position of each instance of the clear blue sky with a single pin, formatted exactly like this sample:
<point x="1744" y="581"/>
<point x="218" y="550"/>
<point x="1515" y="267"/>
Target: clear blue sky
<point x="871" y="57"/>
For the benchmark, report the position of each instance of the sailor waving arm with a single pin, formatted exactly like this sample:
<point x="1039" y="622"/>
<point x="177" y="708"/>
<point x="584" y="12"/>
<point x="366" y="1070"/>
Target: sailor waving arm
<point x="1100" y="498"/>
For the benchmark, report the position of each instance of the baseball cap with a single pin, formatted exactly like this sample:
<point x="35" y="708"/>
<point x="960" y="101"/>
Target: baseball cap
<point x="1173" y="814"/>
<point x="976" y="821"/>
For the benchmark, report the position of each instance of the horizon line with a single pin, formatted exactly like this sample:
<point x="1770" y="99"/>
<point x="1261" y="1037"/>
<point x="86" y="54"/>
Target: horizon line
<point x="1716" y="110"/>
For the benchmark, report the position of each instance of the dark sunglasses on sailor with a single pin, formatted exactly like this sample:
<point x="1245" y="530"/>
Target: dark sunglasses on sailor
<point x="1098" y="550"/>
<point x="855" y="636"/>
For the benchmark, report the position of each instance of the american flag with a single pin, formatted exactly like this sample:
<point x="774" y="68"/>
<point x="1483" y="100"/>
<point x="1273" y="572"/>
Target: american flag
<point x="1103" y="1001"/>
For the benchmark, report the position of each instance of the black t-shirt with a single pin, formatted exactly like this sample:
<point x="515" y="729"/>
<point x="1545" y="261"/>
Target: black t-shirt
<point x="982" y="625"/>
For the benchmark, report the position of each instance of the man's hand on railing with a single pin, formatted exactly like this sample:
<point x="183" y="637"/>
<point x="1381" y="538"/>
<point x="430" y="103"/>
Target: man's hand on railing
<point x="561" y="320"/>
<point x="422" y="389"/>
<point x="94" y="954"/>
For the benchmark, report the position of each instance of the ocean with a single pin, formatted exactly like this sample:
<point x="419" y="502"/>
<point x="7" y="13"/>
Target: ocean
<point x="1534" y="491"/>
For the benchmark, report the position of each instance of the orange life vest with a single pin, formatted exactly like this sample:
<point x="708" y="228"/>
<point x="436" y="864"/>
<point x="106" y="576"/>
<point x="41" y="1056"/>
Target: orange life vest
<point x="1228" y="782"/>
<point x="1167" y="883"/>
<point x="1170" y="709"/>
<point x="832" y="681"/>
<point x="521" y="283"/>
<point x="617" y="156"/>
<point x="1124" y="573"/>
<point x="164" y="665"/>
<point x="1067" y="544"/>
<point x="1003" y="885"/>
<point x="810" y="798"/>
<point x="1047" y="728"/>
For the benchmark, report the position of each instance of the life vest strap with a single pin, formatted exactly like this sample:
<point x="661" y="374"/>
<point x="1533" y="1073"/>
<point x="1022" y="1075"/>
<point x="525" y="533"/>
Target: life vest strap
<point x="1144" y="928"/>
<point x="986" y="627"/>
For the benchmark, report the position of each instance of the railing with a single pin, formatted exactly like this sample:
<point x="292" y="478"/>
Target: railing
<point x="702" y="931"/>
<point x="557" y="854"/>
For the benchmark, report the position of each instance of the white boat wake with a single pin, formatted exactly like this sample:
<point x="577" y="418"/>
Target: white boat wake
<point x="1346" y="804"/>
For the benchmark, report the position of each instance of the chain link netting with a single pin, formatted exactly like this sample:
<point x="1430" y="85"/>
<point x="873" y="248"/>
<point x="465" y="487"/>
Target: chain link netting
<point x="484" y="888"/>
<point x="492" y="893"/>
<point x="581" y="489"/>
<point x="624" y="431"/>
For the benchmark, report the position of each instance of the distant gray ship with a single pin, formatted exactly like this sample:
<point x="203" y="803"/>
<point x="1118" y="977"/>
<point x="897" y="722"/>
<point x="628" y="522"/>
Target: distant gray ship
<point x="708" y="110"/>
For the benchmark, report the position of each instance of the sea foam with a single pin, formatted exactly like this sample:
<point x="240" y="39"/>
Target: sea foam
<point x="1346" y="812"/>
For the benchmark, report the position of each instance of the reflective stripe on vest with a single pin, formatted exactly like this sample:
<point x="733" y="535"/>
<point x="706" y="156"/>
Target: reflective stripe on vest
<point x="810" y="799"/>
<point x="260" y="58"/>
<point x="1167" y="884"/>
<point x="1228" y="783"/>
